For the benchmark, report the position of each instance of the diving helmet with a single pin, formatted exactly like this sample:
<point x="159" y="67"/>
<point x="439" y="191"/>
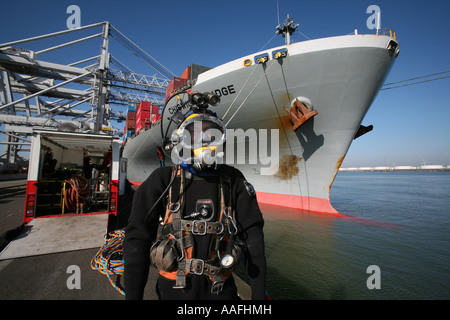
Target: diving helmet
<point x="199" y="139"/>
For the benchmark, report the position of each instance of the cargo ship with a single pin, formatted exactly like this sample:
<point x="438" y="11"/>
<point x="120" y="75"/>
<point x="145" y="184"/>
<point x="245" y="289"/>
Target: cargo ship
<point x="313" y="93"/>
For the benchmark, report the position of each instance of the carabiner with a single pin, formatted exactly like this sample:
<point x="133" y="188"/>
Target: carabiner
<point x="233" y="223"/>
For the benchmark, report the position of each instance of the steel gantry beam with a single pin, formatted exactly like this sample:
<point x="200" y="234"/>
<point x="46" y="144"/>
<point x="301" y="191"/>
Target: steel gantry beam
<point x="38" y="91"/>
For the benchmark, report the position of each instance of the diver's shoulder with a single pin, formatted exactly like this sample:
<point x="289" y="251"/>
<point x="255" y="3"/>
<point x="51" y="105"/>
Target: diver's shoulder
<point x="159" y="174"/>
<point x="231" y="171"/>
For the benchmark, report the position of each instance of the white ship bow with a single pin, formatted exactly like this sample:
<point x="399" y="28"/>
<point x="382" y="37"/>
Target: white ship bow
<point x="339" y="76"/>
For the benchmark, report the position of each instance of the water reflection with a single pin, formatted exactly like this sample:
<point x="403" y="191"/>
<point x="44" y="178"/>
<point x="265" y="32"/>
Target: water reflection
<point x="301" y="254"/>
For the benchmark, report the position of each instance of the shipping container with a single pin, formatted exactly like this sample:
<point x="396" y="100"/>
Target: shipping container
<point x="129" y="132"/>
<point x="144" y="106"/>
<point x="174" y="85"/>
<point x="143" y="116"/>
<point x="131" y="124"/>
<point x="154" y="109"/>
<point x="156" y="118"/>
<point x="186" y="73"/>
<point x="131" y="115"/>
<point x="141" y="124"/>
<point x="131" y="120"/>
<point x="141" y="113"/>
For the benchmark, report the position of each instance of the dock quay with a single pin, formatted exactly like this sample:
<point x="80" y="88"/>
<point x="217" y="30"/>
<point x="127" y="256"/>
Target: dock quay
<point x="397" y="168"/>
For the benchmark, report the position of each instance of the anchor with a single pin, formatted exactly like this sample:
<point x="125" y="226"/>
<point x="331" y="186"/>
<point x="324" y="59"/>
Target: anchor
<point x="299" y="114"/>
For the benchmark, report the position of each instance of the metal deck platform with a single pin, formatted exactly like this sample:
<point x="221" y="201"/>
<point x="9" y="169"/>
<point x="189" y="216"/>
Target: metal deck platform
<point x="60" y="234"/>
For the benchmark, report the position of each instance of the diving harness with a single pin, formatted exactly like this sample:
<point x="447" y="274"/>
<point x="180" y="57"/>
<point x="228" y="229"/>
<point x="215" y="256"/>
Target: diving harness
<point x="172" y="252"/>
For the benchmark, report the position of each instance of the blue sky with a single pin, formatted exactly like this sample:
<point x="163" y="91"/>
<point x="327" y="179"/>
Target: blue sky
<point x="411" y="124"/>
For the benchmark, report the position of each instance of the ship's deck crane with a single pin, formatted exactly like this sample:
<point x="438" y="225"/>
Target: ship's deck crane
<point x="37" y="92"/>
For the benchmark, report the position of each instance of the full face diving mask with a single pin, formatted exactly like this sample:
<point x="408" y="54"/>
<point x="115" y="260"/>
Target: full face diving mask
<point x="199" y="141"/>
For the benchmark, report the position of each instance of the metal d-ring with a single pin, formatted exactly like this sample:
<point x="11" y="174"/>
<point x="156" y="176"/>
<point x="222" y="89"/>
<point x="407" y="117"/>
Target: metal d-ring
<point x="174" y="207"/>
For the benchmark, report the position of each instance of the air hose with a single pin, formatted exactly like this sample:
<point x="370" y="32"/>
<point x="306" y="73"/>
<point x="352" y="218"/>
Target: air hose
<point x="77" y="191"/>
<point x="109" y="259"/>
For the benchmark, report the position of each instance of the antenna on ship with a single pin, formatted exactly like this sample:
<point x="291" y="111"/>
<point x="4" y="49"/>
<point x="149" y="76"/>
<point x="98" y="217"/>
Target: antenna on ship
<point x="287" y="29"/>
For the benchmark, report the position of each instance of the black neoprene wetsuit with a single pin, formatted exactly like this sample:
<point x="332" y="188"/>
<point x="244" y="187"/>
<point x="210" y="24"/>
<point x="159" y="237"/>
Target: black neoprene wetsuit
<point x="140" y="234"/>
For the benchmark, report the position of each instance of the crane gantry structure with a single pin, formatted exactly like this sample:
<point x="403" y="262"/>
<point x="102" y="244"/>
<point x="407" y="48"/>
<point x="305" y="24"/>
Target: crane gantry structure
<point x="83" y="95"/>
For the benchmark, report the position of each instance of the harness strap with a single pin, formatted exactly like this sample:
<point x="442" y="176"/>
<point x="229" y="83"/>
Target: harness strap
<point x="215" y="273"/>
<point x="196" y="227"/>
<point x="176" y="208"/>
<point x="199" y="267"/>
<point x="182" y="231"/>
<point x="227" y="214"/>
<point x="160" y="263"/>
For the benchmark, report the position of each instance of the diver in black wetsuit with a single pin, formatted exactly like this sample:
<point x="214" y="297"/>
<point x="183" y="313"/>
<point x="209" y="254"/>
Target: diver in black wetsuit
<point x="195" y="221"/>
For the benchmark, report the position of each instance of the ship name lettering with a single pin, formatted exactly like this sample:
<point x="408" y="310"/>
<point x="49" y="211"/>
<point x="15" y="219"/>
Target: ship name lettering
<point x="224" y="91"/>
<point x="174" y="109"/>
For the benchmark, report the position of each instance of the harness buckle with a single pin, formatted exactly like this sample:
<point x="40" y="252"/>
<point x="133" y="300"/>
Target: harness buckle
<point x="217" y="286"/>
<point x="196" y="266"/>
<point x="201" y="227"/>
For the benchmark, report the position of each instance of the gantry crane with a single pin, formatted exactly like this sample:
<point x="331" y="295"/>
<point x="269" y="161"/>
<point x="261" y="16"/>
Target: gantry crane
<point x="83" y="95"/>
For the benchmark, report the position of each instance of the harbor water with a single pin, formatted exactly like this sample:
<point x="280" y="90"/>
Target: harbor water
<point x="396" y="223"/>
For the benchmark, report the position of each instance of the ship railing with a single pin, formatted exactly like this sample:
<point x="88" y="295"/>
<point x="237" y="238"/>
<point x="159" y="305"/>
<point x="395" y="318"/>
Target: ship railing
<point x="387" y="31"/>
